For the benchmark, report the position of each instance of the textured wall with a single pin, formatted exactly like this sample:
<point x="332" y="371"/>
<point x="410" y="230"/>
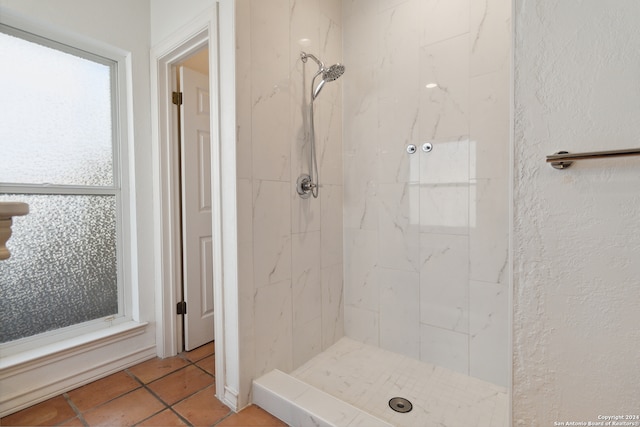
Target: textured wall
<point x="576" y="232"/>
<point x="290" y="249"/>
<point x="426" y="234"/>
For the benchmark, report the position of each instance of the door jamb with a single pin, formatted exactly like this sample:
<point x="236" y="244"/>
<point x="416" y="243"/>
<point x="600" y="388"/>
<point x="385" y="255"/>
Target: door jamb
<point x="205" y="29"/>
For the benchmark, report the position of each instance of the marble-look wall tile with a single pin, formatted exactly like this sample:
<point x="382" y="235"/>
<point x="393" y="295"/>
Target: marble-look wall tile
<point x="332" y="304"/>
<point x="331" y="33"/>
<point x="305" y="213"/>
<point x="489" y="332"/>
<point x="360" y="148"/>
<point x="385" y="5"/>
<point x="361" y="258"/>
<point x="400" y="312"/>
<point x="444" y="110"/>
<point x="291" y="301"/>
<point x="397" y="129"/>
<point x="398" y="229"/>
<point x="304" y="18"/>
<point x="443" y="20"/>
<point x="399" y="75"/>
<point x="444" y="208"/>
<point x="244" y="200"/>
<point x="305" y="268"/>
<point x="244" y="156"/>
<point x="361" y="31"/>
<point x="360" y="191"/>
<point x="331" y="231"/>
<point x="398" y="90"/>
<point x="444" y="186"/>
<point x="273" y="328"/>
<point x="447" y="162"/>
<point x="488" y="235"/>
<point x="307" y="340"/>
<point x="490" y="36"/>
<point x="426" y="214"/>
<point x="270" y="84"/>
<point x="362" y="325"/>
<point x="488" y="126"/>
<point x="332" y="10"/>
<point x="246" y="291"/>
<point x="271" y="232"/>
<point x="444" y="348"/>
<point x="444" y="281"/>
<point x="329" y="139"/>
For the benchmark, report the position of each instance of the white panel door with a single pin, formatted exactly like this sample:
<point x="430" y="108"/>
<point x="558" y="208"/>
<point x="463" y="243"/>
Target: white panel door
<point x="197" y="247"/>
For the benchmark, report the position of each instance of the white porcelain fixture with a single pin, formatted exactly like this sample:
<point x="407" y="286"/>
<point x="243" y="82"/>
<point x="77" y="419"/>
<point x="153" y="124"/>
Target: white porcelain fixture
<point x="7" y="211"/>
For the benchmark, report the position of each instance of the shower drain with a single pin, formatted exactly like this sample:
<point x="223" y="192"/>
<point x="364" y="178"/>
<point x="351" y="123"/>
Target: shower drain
<point x="400" y="404"/>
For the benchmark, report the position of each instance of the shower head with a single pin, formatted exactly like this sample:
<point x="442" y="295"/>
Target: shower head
<point x="328" y="74"/>
<point x="333" y="73"/>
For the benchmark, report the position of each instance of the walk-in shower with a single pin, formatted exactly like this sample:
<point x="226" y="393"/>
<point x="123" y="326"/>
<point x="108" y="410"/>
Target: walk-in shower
<point x="307" y="184"/>
<point x="395" y="282"/>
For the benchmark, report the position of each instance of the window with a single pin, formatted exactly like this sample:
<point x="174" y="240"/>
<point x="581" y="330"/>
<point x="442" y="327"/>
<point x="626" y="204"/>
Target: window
<point x="60" y="152"/>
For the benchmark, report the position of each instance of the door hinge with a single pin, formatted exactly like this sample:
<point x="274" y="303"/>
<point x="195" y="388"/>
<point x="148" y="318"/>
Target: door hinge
<point x="182" y="307"/>
<point x="176" y="98"/>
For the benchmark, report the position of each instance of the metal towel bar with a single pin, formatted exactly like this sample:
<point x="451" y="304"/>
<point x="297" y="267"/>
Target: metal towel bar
<point x="563" y="159"/>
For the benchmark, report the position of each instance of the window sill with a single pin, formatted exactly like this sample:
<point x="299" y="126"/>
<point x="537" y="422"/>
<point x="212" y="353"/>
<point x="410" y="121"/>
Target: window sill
<point x="27" y="360"/>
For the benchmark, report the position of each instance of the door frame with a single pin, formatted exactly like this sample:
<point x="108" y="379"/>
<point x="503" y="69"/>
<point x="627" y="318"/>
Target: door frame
<point x="215" y="28"/>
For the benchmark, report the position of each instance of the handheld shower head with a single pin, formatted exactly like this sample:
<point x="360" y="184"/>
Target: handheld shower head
<point x="328" y="74"/>
<point x="307" y="185"/>
<point x="333" y="73"/>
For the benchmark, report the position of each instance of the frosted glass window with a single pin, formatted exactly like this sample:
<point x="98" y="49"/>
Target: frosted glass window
<point x="60" y="154"/>
<point x="62" y="269"/>
<point x="56" y="116"/>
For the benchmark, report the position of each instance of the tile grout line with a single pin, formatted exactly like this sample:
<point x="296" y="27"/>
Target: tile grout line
<point x="144" y="386"/>
<point x="170" y="406"/>
<point x="75" y="409"/>
<point x="141" y="385"/>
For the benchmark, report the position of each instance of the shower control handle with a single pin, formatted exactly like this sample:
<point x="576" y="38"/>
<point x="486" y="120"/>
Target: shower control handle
<point x="305" y="186"/>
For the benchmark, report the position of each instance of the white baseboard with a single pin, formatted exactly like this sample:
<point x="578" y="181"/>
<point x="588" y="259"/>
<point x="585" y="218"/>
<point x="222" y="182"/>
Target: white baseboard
<point x="22" y="387"/>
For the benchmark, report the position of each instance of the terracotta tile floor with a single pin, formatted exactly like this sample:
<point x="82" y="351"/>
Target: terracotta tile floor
<point x="177" y="391"/>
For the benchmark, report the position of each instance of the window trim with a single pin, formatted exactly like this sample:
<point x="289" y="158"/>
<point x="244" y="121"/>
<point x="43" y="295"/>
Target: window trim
<point x="122" y="187"/>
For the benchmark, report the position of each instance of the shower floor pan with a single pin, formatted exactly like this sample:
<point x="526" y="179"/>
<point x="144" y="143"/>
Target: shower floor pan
<point x="350" y="384"/>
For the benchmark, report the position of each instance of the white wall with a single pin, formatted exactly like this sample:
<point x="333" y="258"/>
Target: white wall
<point x="576" y="232"/>
<point x="125" y="25"/>
<point x="290" y="249"/>
<point x="167" y="16"/>
<point x="426" y="234"/>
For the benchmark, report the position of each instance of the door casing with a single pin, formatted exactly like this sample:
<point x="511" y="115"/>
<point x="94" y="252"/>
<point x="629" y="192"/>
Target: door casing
<point x="219" y="34"/>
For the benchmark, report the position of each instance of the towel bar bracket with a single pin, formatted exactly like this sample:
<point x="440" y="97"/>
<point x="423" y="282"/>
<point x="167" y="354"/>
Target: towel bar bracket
<point x="561" y="164"/>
